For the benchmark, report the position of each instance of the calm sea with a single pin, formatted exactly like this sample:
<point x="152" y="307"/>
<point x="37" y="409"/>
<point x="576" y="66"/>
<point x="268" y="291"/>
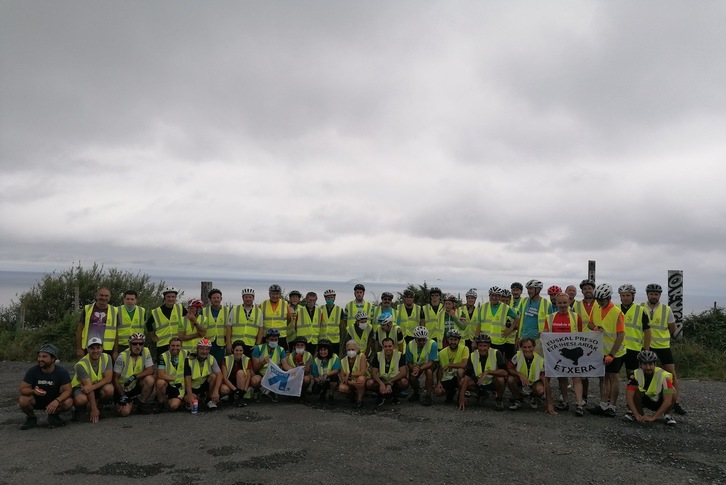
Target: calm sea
<point x="13" y="283"/>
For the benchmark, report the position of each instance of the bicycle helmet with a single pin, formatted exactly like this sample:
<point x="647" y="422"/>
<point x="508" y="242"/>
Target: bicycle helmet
<point x="506" y="293"/>
<point x="647" y="356"/>
<point x="195" y="302"/>
<point x="494" y="290"/>
<point x="360" y="316"/>
<point x="517" y="285"/>
<point x="435" y="291"/>
<point x="420" y="332"/>
<point x="359" y="287"/>
<point x="603" y="291"/>
<point x="275" y="287"/>
<point x="386" y="319"/>
<point x="137" y="336"/>
<point x="248" y="291"/>
<point x="627" y="288"/>
<point x="534" y="284"/>
<point x="327" y="293"/>
<point x="653" y="288"/>
<point x="324" y="342"/>
<point x="471" y="292"/>
<point x="408" y="294"/>
<point x="170" y="289"/>
<point x="295" y="293"/>
<point x="484" y="339"/>
<point x="272" y="332"/>
<point x="554" y="290"/>
<point x="386" y="295"/>
<point x="203" y="342"/>
<point x="587" y="282"/>
<point x="300" y="340"/>
<point x="454" y="333"/>
<point x="450" y="297"/>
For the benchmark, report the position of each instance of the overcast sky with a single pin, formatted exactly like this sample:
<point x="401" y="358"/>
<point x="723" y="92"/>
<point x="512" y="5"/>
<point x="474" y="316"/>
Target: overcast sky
<point x="383" y="141"/>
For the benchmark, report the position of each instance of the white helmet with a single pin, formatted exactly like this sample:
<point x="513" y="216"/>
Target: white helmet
<point x="170" y="289"/>
<point x="627" y="288"/>
<point x="327" y="293"/>
<point x="471" y="292"/>
<point x="361" y="316"/>
<point x="420" y="332"/>
<point x="604" y="291"/>
<point x="386" y="319"/>
<point x="248" y="291"/>
<point x="534" y="284"/>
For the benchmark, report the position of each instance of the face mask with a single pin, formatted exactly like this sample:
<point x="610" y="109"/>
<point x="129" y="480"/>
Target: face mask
<point x="272" y="345"/>
<point x="311" y="305"/>
<point x="363" y="325"/>
<point x="329" y="302"/>
<point x="299" y="351"/>
<point x="352" y="354"/>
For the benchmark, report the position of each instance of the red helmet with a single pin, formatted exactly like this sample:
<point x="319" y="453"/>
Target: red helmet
<point x="195" y="302"/>
<point x="554" y="290"/>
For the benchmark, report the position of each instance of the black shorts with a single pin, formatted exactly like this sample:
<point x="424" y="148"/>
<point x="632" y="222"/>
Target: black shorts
<point x="614" y="366"/>
<point x="664" y="355"/>
<point x="507" y="349"/>
<point x="172" y="391"/>
<point x="648" y="403"/>
<point x="130" y="394"/>
<point x="41" y="402"/>
<point x="450" y="385"/>
<point x="203" y="389"/>
<point x="630" y="359"/>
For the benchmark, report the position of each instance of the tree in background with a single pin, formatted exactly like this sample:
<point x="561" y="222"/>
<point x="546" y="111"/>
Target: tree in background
<point x="422" y="294"/>
<point x="50" y="314"/>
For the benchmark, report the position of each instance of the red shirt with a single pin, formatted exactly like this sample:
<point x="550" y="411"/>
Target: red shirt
<point x="561" y="323"/>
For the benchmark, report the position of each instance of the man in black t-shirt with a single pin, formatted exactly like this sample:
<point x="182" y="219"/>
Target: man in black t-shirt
<point x="45" y="386"/>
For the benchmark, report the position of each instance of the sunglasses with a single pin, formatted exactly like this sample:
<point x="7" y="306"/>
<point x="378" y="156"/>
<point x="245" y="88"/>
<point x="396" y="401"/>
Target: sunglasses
<point x="136" y="344"/>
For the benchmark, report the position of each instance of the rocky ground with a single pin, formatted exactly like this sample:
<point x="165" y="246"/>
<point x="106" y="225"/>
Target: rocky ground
<point x="268" y="443"/>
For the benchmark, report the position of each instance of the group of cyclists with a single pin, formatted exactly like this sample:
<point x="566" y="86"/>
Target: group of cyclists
<point x="208" y="354"/>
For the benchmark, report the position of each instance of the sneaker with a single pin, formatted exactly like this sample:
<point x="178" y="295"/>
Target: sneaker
<point x="515" y="405"/>
<point x="414" y="397"/>
<point x="499" y="404"/>
<point x="668" y="419"/>
<point x="29" y="423"/>
<point x="55" y="421"/>
<point x="596" y="410"/>
<point x="273" y="397"/>
<point x="211" y="405"/>
<point x="256" y="396"/>
<point x="579" y="411"/>
<point x="249" y="394"/>
<point x="562" y="406"/>
<point x="534" y="403"/>
<point x="610" y="413"/>
<point x="240" y="402"/>
<point x="426" y="400"/>
<point x="678" y="409"/>
<point x="359" y="404"/>
<point x="628" y="416"/>
<point x="467" y="394"/>
<point x="380" y="401"/>
<point x="395" y="401"/>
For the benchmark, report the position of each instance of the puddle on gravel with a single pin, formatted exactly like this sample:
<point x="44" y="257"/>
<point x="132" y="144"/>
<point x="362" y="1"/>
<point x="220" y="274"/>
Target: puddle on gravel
<point x="266" y="462"/>
<point x="121" y="468"/>
<point x="249" y="417"/>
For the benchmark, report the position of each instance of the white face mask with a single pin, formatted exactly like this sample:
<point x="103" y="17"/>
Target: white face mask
<point x="352" y="354"/>
<point x="363" y="325"/>
<point x="272" y="345"/>
<point x="299" y="351"/>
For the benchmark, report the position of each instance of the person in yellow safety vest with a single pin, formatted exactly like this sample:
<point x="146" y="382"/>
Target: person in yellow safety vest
<point x="527" y="377"/>
<point x="386" y="329"/>
<point x="388" y="373"/>
<point x="202" y="377"/>
<point x="353" y="369"/>
<point x="362" y="333"/>
<point x="506" y="297"/>
<point x="353" y="307"/>
<point x="236" y="374"/>
<point x="486" y="372"/>
<point x="637" y="328"/>
<point x="170" y="375"/>
<point x="500" y="322"/>
<point x="215" y="317"/>
<point x="608" y="319"/>
<point x="325" y="371"/>
<point x="469" y="318"/>
<point x="131" y="319"/>
<point x="564" y="320"/>
<point x="192" y="327"/>
<point x="662" y="326"/>
<point x="451" y="317"/>
<point x="99" y="320"/>
<point x="408" y="315"/>
<point x="300" y="357"/>
<point x="92" y="383"/>
<point x="332" y="325"/>
<point x="650" y="387"/>
<point x="385" y="308"/>
<point x="516" y="299"/>
<point x="585" y="306"/>
<point x="262" y="355"/>
<point x="308" y="322"/>
<point x="164" y="321"/>
<point x="245" y="323"/>
<point x="421" y="356"/>
<point x="552" y="292"/>
<point x="294" y="305"/>
<point x="451" y="367"/>
<point x="433" y="315"/>
<point x="276" y="314"/>
<point x="133" y="375"/>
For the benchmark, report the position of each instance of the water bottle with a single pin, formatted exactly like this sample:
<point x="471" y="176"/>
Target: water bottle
<point x="195" y="406"/>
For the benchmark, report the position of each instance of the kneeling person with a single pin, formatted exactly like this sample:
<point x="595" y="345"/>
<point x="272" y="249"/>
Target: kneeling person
<point x="202" y="377"/>
<point x="236" y="374"/>
<point x="650" y="388"/>
<point x="486" y="370"/>
<point x="452" y="364"/>
<point x="325" y="370"/>
<point x="170" y="375"/>
<point x="46" y="386"/>
<point x="388" y="373"/>
<point x="92" y="384"/>
<point x="300" y="357"/>
<point x="133" y="375"/>
<point x="526" y="376"/>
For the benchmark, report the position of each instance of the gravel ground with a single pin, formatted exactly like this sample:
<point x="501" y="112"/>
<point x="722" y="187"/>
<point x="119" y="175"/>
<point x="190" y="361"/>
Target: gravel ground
<point x="267" y="443"/>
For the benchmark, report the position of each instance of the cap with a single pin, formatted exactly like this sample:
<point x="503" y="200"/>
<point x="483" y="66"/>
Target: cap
<point x="49" y="349"/>
<point x="94" y="341"/>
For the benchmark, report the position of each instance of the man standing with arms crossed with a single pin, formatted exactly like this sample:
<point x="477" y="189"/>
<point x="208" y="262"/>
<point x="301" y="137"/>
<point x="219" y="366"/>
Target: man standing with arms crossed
<point x="98" y="320"/>
<point x="433" y="315"/>
<point x="331" y="320"/>
<point x="131" y="319"/>
<point x="165" y="320"/>
<point x="245" y="323"/>
<point x="276" y="314"/>
<point x="408" y="315"/>
<point x="215" y="317"/>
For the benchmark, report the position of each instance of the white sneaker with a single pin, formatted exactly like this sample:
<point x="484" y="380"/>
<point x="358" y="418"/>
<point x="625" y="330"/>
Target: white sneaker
<point x="668" y="419"/>
<point x="211" y="405"/>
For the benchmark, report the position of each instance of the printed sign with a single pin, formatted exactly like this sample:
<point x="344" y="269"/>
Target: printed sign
<point x="675" y="299"/>
<point x="285" y="383"/>
<point x="577" y="354"/>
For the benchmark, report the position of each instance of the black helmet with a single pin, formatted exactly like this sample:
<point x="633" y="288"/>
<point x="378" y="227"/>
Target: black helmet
<point x="408" y="294"/>
<point x="275" y="287"/>
<point x="295" y="293"/>
<point x="435" y="291"/>
<point x="484" y="339"/>
<point x="653" y="288"/>
<point x="386" y="294"/>
<point x="359" y="287"/>
<point x="517" y="285"/>
<point x="587" y="282"/>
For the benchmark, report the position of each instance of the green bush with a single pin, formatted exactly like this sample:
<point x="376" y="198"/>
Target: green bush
<point x="706" y="328"/>
<point x="698" y="361"/>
